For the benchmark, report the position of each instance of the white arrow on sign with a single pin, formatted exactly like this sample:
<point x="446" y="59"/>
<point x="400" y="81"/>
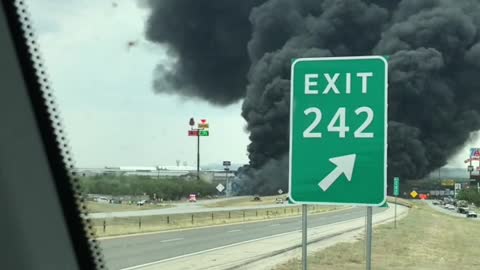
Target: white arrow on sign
<point x="344" y="165"/>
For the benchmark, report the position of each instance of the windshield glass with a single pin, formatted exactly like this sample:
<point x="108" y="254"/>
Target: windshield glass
<point x="269" y="134"/>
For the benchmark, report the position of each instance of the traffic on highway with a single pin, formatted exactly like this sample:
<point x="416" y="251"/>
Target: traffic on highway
<point x="461" y="208"/>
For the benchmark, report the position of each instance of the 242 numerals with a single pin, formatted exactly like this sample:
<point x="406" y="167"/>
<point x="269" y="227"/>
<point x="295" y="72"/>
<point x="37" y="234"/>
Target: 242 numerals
<point x="338" y="123"/>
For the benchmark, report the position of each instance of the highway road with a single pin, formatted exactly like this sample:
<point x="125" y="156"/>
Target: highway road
<point x="449" y="212"/>
<point x="130" y="251"/>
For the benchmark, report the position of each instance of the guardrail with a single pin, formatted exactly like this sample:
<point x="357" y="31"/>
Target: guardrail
<point x="400" y="201"/>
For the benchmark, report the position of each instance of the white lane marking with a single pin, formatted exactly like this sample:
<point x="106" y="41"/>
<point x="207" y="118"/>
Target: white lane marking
<point x="171" y="240"/>
<point x="273" y="225"/>
<point x="231" y="245"/>
<point x="233" y="231"/>
<point x="206" y="250"/>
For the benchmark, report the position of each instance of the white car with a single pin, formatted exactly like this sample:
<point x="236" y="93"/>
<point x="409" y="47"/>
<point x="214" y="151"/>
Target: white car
<point x="451" y="207"/>
<point x="142" y="202"/>
<point x="471" y="214"/>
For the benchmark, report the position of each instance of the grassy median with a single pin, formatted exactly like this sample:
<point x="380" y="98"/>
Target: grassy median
<point x="425" y="239"/>
<point x="158" y="223"/>
<point x="249" y="201"/>
<point x="96" y="207"/>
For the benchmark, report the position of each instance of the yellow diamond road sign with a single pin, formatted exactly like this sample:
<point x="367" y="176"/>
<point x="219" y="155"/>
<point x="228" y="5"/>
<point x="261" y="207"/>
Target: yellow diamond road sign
<point x="413" y="194"/>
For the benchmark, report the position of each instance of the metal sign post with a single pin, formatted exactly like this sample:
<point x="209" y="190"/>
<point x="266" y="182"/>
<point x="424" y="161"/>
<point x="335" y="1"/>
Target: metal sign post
<point x="229" y="187"/>
<point x="198" y="157"/>
<point x="396" y="192"/>
<point x="304" y="237"/>
<point x="226" y="164"/>
<point x="368" y="239"/>
<point x="395" y="219"/>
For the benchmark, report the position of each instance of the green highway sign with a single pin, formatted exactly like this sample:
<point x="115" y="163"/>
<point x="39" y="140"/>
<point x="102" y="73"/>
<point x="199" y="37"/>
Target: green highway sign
<point x="396" y="186"/>
<point x="203" y="133"/>
<point x="338" y="131"/>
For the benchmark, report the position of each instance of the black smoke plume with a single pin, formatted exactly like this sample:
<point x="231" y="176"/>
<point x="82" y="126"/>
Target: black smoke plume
<point x="231" y="50"/>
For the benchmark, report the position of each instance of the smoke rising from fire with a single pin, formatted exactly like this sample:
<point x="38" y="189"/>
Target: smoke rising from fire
<point x="231" y="50"/>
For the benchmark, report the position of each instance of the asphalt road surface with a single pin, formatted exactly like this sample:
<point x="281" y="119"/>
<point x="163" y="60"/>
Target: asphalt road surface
<point x="129" y="251"/>
<point x="449" y="212"/>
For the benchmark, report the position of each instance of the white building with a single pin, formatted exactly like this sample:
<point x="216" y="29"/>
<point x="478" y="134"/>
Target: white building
<point x="156" y="172"/>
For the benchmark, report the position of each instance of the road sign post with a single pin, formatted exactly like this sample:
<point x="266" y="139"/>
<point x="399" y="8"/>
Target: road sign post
<point x="396" y="192"/>
<point x="368" y="241"/>
<point x="198" y="157"/>
<point x="227" y="164"/>
<point x="304" y="236"/>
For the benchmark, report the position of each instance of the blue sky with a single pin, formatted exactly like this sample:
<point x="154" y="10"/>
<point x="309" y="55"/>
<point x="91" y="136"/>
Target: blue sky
<point x="105" y="96"/>
<point x="104" y="91"/>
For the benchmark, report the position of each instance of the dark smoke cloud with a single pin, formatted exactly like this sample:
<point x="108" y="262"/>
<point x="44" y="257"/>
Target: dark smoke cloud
<point x="434" y="50"/>
<point x="208" y="40"/>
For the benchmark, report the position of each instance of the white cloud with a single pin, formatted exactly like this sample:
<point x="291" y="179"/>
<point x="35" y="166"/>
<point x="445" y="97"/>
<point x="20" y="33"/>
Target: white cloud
<point x="103" y="89"/>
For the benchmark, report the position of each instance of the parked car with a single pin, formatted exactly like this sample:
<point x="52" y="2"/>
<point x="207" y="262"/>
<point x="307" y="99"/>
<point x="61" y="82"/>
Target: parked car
<point x="142" y="202"/>
<point x="471" y="214"/>
<point x="192" y="198"/>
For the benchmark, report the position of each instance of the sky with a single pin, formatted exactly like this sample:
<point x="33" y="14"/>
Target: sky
<point x="111" y="115"/>
<point x="103" y="89"/>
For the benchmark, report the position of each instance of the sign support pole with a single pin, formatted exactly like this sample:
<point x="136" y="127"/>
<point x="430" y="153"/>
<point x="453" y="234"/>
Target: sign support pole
<point x="227" y="190"/>
<point x="198" y="155"/>
<point x="368" y="239"/>
<point x="304" y="237"/>
<point x="395" y="220"/>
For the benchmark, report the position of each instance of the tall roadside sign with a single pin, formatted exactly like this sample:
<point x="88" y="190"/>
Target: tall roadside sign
<point x="396" y="186"/>
<point x="338" y="131"/>
<point x="396" y="192"/>
<point x="201" y="131"/>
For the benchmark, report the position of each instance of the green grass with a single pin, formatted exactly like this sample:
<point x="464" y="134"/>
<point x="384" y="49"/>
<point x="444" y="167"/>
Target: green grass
<point x="246" y="201"/>
<point x="425" y="239"/>
<point x="96" y="207"/>
<point x="158" y="223"/>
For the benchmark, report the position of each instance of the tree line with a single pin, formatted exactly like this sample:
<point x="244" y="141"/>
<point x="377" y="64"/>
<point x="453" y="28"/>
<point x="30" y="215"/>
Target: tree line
<point x="165" y="188"/>
<point x="470" y="195"/>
